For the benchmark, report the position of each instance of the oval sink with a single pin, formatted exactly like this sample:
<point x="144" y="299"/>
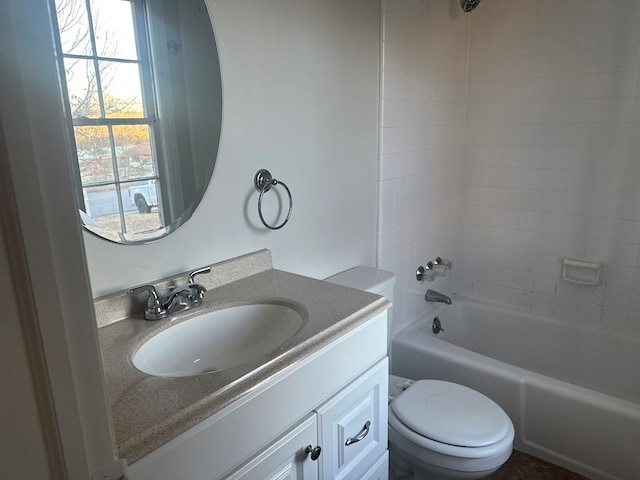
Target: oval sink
<point x="217" y="340"/>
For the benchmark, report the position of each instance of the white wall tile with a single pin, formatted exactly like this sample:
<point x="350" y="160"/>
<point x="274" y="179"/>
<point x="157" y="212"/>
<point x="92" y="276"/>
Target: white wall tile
<point x="569" y="174"/>
<point x="590" y="314"/>
<point x="565" y="308"/>
<point x="615" y="317"/>
<point x="538" y="161"/>
<point x="544" y="284"/>
<point x="422" y="118"/>
<point x="542" y="304"/>
<point x="617" y="296"/>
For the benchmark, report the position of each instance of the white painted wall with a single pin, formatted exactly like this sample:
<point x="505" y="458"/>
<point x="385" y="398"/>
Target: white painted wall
<point x="551" y="165"/>
<point x="424" y="52"/>
<point x="300" y="97"/>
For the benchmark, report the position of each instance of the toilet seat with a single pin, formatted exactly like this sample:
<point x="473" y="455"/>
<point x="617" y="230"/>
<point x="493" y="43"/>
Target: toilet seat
<point x="451" y="414"/>
<point x="409" y="440"/>
<point x="424" y="451"/>
<point x="491" y="445"/>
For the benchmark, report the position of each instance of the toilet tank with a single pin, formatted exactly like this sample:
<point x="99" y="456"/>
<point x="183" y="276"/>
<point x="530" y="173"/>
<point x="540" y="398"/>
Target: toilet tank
<point x="373" y="280"/>
<point x="370" y="280"/>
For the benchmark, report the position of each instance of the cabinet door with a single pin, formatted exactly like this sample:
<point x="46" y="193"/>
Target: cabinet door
<point x="353" y="426"/>
<point x="286" y="458"/>
<point x="380" y="470"/>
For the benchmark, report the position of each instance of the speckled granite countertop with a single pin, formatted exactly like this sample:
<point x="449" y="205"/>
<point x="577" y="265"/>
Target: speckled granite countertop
<point x="149" y="411"/>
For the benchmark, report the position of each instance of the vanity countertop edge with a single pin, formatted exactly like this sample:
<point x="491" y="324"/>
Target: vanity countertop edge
<point x="149" y="411"/>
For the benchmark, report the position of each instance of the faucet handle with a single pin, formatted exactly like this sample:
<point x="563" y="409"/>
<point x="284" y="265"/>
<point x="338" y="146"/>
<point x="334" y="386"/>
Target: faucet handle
<point x="445" y="263"/>
<point x="197" y="293"/>
<point x="153" y="294"/>
<point x="425" y="273"/>
<point x="197" y="289"/>
<point x="193" y="274"/>
<point x="154" y="309"/>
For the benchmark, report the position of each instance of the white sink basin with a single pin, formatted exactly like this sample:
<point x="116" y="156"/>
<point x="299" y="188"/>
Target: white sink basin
<point x="217" y="340"/>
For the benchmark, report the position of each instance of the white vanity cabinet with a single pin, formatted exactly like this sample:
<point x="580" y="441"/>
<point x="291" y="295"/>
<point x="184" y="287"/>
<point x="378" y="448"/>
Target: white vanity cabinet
<point x="334" y="399"/>
<point x="348" y="432"/>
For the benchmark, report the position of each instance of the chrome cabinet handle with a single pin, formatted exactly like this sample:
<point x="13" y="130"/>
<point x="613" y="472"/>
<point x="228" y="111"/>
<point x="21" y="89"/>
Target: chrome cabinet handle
<point x="363" y="433"/>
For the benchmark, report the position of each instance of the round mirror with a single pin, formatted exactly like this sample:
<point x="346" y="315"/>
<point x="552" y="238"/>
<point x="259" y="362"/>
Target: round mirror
<point x="141" y="81"/>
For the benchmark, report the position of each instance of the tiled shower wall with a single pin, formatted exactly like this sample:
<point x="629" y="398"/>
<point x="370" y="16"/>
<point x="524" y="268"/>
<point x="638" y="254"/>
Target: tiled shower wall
<point x="424" y="48"/>
<point x="551" y="161"/>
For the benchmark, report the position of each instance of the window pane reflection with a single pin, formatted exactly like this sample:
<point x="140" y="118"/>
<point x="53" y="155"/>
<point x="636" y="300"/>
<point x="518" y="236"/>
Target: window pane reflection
<point x="82" y="87"/>
<point x="73" y="25"/>
<point x="133" y="151"/>
<point x="121" y="89"/>
<point x="101" y="204"/>
<point x="94" y="154"/>
<point x="102" y="214"/>
<point x="113" y="27"/>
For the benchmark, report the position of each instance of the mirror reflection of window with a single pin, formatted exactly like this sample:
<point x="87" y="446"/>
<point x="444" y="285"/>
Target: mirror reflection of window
<point x="104" y="53"/>
<point x="142" y="83"/>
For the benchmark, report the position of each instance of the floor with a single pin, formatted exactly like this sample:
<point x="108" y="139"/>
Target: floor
<point x="525" y="467"/>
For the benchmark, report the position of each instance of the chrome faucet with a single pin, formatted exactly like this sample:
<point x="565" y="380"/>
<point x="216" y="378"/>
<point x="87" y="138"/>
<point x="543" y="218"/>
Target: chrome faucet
<point x="180" y="298"/>
<point x="437" y="297"/>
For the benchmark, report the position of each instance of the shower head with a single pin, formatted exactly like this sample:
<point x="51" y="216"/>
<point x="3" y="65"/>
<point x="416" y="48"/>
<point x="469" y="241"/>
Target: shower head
<point x="469" y="5"/>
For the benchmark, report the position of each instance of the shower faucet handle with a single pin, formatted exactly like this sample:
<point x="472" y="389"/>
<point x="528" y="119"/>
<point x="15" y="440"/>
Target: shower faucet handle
<point x="426" y="273"/>
<point x="445" y="263"/>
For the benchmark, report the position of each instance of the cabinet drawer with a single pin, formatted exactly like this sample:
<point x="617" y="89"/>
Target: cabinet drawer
<point x="353" y="426"/>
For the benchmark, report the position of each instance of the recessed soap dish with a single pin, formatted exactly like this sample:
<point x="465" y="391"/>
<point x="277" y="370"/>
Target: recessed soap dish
<point x="582" y="272"/>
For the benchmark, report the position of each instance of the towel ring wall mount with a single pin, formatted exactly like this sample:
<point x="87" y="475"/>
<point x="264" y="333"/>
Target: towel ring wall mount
<point x="263" y="182"/>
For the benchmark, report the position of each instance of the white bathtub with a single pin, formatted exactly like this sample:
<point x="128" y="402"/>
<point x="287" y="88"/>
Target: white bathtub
<point x="573" y="393"/>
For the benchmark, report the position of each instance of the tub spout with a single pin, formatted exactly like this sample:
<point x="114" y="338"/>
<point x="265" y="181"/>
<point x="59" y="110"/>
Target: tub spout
<point x="437" y="297"/>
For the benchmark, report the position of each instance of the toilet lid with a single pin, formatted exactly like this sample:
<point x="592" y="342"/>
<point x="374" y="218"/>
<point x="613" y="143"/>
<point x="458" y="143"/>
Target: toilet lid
<point x="450" y="413"/>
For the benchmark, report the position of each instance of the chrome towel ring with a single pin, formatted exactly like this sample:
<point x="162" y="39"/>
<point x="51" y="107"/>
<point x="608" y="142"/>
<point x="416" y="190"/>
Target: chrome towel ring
<point x="263" y="182"/>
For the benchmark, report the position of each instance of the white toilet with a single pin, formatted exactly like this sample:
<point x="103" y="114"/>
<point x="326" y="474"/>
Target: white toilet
<point x="437" y="430"/>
